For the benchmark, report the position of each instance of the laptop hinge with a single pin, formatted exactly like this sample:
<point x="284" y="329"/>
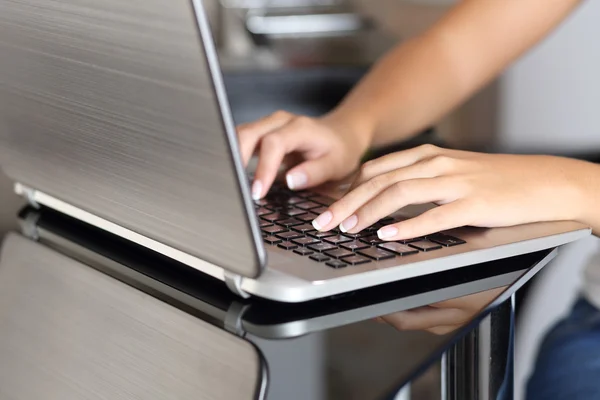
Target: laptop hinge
<point x="29" y="226"/>
<point x="234" y="283"/>
<point x="233" y="319"/>
<point x="27" y="193"/>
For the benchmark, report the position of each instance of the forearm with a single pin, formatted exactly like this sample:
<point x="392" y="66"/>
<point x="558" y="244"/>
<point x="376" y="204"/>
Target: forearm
<point x="423" y="79"/>
<point x="587" y="179"/>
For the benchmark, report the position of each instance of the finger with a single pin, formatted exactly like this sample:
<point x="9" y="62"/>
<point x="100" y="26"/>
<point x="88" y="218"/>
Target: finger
<point x="250" y="133"/>
<point x="400" y="195"/>
<point x="448" y="216"/>
<point x="355" y="199"/>
<point x="424" y="318"/>
<point x="310" y="173"/>
<point x="273" y="149"/>
<point x="393" y="161"/>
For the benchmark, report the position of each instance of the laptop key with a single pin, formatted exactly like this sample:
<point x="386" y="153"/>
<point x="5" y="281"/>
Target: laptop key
<point x="319" y="210"/>
<point x="289" y="222"/>
<point x="289" y="235"/>
<point x="425" y="245"/>
<point x="263" y="211"/>
<point x="308" y="217"/>
<point x="446" y="240"/>
<point x="338" y="239"/>
<point x="377" y="254"/>
<point x="287" y="245"/>
<point x="319" y="257"/>
<point x="339" y="253"/>
<point x="407" y="241"/>
<point x="295" y="200"/>
<point x="398" y="248"/>
<point x="356" y="260"/>
<point x="359" y="235"/>
<point x="293" y="211"/>
<point x="303" y="228"/>
<point x="336" y="264"/>
<point x="373" y="239"/>
<point x="264" y="224"/>
<point x="272" y="217"/>
<point x="273" y="229"/>
<point x="324" y="200"/>
<point x="303" y="251"/>
<point x="320" y="235"/>
<point x="272" y="240"/>
<point x="355" y="245"/>
<point x="322" y="247"/>
<point x="305" y="241"/>
<point x="308" y="205"/>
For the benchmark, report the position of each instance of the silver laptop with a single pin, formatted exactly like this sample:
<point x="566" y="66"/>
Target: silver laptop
<point x="115" y="113"/>
<point x="176" y="284"/>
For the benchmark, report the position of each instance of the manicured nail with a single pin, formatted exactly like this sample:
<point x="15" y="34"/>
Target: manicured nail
<point x="349" y="223"/>
<point x="387" y="232"/>
<point x="257" y="190"/>
<point x="297" y="180"/>
<point x="322" y="220"/>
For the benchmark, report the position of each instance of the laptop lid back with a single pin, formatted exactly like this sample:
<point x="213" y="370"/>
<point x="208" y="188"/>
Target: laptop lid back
<point x="118" y="108"/>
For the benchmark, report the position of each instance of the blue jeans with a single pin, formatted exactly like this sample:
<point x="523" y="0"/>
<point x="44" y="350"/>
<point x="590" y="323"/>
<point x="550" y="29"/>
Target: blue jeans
<point x="568" y="364"/>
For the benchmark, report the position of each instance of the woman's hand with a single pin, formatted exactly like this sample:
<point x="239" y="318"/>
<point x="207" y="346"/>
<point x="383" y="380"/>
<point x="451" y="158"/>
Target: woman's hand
<point x="328" y="149"/>
<point x="445" y="317"/>
<point x="486" y="190"/>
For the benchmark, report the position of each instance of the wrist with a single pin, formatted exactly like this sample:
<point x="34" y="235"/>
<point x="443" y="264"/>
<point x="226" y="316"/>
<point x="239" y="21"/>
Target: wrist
<point x="357" y="129"/>
<point x="586" y="192"/>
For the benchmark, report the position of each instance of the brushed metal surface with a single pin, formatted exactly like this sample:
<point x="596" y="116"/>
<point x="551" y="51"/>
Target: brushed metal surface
<point x="110" y="106"/>
<point x="70" y="332"/>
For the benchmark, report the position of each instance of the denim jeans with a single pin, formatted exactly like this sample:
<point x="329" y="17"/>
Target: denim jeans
<point x="568" y="363"/>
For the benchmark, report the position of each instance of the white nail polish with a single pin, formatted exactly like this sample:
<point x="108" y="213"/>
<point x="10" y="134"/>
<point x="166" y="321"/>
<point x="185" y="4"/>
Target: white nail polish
<point x="297" y="180"/>
<point x="349" y="223"/>
<point x="256" y="190"/>
<point x="322" y="220"/>
<point x="316" y="225"/>
<point x="387" y="232"/>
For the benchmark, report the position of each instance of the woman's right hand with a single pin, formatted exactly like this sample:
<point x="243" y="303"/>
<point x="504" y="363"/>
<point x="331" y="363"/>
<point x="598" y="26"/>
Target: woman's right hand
<point x="328" y="149"/>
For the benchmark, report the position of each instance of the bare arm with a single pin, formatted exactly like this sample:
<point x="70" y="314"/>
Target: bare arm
<point x="409" y="89"/>
<point x="423" y="79"/>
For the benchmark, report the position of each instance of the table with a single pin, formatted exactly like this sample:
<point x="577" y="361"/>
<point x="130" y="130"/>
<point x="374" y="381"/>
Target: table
<point x="85" y="315"/>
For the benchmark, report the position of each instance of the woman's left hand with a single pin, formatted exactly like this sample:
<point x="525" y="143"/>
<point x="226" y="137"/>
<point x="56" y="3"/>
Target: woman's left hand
<point x="485" y="190"/>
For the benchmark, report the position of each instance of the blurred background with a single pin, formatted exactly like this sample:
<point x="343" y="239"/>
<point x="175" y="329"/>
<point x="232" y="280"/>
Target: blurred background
<point x="305" y="55"/>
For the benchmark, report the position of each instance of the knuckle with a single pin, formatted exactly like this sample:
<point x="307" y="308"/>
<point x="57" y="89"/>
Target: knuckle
<point x="302" y="120"/>
<point x="377" y="183"/>
<point x="403" y="189"/>
<point x="429" y="148"/>
<point x="366" y="169"/>
<point x="271" y="141"/>
<point x="280" y="114"/>
<point x="442" y="163"/>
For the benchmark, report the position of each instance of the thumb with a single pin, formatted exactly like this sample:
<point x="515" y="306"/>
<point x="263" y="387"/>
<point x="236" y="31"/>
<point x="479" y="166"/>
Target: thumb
<point x="311" y="173"/>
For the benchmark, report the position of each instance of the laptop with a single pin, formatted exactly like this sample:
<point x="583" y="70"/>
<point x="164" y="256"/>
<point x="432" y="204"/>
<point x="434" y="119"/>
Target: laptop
<point x="115" y="113"/>
<point x="65" y="262"/>
<point x="176" y="284"/>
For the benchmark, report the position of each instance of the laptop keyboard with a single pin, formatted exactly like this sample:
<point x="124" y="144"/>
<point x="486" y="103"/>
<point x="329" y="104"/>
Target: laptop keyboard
<point x="286" y="221"/>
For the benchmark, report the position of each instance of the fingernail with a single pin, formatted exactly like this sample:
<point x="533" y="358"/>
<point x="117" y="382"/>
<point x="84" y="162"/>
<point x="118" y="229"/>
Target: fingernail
<point x="322" y="220"/>
<point x="297" y="180"/>
<point x="387" y="232"/>
<point x="349" y="223"/>
<point x="256" y="190"/>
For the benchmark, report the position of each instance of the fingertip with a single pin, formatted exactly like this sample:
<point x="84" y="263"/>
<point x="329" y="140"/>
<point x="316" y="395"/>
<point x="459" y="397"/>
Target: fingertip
<point x="296" y="180"/>
<point x="257" y="190"/>
<point x="388" y="232"/>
